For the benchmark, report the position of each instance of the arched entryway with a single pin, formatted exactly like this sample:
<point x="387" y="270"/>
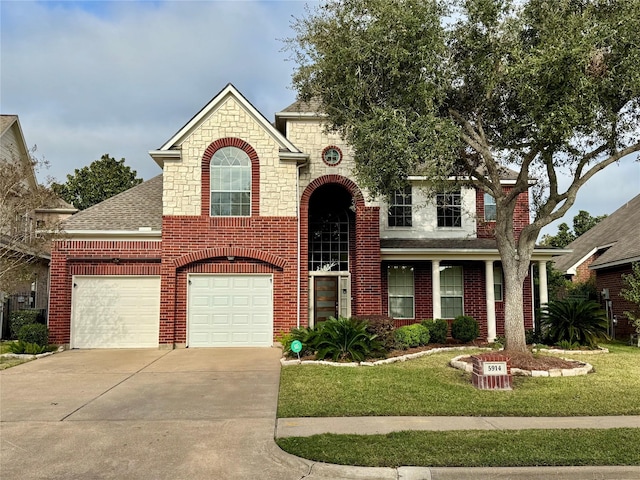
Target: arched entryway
<point x="331" y="242"/>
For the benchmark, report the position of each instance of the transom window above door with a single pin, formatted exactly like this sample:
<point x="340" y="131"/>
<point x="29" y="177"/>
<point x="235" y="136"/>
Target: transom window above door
<point x="230" y="181"/>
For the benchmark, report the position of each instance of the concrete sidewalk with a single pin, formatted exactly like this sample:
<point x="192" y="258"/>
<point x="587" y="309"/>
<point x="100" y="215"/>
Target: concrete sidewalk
<point x="307" y="426"/>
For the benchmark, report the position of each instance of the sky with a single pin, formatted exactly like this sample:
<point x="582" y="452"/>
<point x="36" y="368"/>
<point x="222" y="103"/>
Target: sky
<point x="121" y="77"/>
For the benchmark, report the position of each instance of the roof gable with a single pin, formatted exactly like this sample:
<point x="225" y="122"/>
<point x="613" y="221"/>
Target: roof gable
<point x="617" y="236"/>
<point x="171" y="148"/>
<point x="11" y="132"/>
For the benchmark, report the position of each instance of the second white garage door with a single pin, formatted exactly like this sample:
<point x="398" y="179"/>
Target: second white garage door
<point x="230" y="311"/>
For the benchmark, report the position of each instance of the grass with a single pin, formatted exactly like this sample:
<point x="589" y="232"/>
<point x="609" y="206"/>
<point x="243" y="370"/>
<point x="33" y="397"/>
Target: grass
<point x="473" y="448"/>
<point x="428" y="386"/>
<point x="9" y="362"/>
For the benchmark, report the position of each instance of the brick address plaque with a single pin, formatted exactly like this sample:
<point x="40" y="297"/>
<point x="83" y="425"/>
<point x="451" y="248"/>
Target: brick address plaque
<point x="491" y="371"/>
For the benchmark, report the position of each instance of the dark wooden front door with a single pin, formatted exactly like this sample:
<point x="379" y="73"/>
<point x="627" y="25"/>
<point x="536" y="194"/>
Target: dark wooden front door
<point x="326" y="298"/>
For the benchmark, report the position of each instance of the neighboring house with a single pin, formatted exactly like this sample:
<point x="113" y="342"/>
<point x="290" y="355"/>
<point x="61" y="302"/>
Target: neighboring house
<point x="254" y="228"/>
<point x="606" y="252"/>
<point x="32" y="293"/>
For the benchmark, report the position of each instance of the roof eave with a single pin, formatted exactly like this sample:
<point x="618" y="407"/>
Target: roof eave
<point x="111" y="234"/>
<point x="615" y="263"/>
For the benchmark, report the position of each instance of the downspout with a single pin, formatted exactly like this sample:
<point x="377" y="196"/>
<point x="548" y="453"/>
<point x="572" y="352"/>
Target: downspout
<point x="299" y="286"/>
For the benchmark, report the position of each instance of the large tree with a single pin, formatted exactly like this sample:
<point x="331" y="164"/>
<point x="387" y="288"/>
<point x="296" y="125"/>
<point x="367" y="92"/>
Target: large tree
<point x="548" y="88"/>
<point x="102" y="179"/>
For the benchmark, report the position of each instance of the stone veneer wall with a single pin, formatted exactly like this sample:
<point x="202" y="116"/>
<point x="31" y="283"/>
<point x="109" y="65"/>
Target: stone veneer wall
<point x="182" y="179"/>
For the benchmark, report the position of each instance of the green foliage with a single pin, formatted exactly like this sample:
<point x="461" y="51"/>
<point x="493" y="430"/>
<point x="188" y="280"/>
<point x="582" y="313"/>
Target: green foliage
<point x="576" y="321"/>
<point x="20" y="318"/>
<point x="437" y="330"/>
<point x="22" y="347"/>
<point x="465" y="328"/>
<point x="532" y="337"/>
<point x="631" y="293"/>
<point x="309" y="337"/>
<point x="582" y="223"/>
<point x="102" y="179"/>
<point x="411" y="336"/>
<point x="567" y="345"/>
<point x="34" y="333"/>
<point x="345" y="339"/>
<point x="382" y="327"/>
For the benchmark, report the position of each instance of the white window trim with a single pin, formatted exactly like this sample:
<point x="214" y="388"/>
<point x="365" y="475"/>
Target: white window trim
<point x="212" y="191"/>
<point x="461" y="296"/>
<point x="413" y="294"/>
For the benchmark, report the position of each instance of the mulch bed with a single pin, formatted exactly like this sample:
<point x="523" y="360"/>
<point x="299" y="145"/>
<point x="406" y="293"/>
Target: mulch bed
<point x="523" y="361"/>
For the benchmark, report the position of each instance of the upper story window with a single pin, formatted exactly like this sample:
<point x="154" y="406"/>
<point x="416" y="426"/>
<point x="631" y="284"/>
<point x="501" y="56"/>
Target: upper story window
<point x="230" y="172"/>
<point x="489" y="208"/>
<point x="332" y="155"/>
<point x="449" y="209"/>
<point x="400" y="208"/>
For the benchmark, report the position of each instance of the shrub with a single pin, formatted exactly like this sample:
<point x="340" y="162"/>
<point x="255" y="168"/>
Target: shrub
<point x="531" y="337"/>
<point x="21" y="347"/>
<point x="20" y="318"/>
<point x="411" y="336"/>
<point x="309" y="338"/>
<point x="576" y="321"/>
<point x="437" y="330"/>
<point x="465" y="329"/>
<point x="34" y="333"/>
<point x="345" y="339"/>
<point x="381" y="326"/>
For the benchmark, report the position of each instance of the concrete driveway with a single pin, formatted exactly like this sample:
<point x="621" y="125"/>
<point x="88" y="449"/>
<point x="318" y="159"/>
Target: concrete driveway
<point x="144" y="414"/>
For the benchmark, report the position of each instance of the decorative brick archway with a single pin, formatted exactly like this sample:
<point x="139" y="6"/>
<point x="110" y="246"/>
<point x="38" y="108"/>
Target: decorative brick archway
<point x="365" y="271"/>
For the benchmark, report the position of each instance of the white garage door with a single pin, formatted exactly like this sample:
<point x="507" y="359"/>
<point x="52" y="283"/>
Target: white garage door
<point x="115" y="312"/>
<point x="230" y="310"/>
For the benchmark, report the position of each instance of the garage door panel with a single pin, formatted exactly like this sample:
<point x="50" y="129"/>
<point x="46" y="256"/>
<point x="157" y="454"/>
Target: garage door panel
<point x="115" y="312"/>
<point x="239" y="311"/>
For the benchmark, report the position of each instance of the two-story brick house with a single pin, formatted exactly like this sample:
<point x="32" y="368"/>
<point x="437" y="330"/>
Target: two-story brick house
<point x="254" y="228"/>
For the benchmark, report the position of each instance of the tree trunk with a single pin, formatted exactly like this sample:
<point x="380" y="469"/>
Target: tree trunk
<point x="515" y="254"/>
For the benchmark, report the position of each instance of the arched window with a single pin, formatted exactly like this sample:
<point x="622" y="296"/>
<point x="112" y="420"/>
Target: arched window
<point x="230" y="173"/>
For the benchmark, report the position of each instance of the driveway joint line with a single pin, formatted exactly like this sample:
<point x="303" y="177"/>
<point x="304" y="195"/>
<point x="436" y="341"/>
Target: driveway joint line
<point x="113" y="386"/>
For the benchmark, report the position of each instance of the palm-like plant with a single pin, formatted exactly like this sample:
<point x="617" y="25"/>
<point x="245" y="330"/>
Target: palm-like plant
<point x="575" y="321"/>
<point x="345" y="338"/>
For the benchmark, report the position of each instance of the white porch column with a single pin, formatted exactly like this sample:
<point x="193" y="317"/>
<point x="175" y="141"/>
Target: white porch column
<point x="491" y="300"/>
<point x="542" y="274"/>
<point x="435" y="288"/>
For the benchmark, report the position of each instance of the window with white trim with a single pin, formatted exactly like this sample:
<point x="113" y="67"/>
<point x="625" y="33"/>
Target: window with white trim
<point x="230" y="182"/>
<point x="401" y="291"/>
<point x="451" y="291"/>
<point x="400" y="208"/>
<point x="497" y="284"/>
<point x="490" y="211"/>
<point x="449" y="209"/>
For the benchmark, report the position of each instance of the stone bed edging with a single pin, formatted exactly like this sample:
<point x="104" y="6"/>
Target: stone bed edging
<point x="386" y="361"/>
<point x="553" y="372"/>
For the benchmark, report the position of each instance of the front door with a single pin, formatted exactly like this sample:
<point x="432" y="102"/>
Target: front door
<point x="325" y="298"/>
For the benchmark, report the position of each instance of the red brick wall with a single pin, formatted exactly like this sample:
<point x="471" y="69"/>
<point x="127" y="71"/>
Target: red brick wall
<point x="521" y="215"/>
<point x="75" y="257"/>
<point x="365" y="269"/>
<point x="474" y="295"/>
<point x="202" y="245"/>
<point x="611" y="278"/>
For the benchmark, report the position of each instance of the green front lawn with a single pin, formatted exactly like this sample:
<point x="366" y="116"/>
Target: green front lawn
<point x="428" y="386"/>
<point x="473" y="448"/>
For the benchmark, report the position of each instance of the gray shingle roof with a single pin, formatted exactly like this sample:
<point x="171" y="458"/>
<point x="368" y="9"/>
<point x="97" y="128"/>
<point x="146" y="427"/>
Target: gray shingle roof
<point x="140" y="206"/>
<point x="312" y="106"/>
<point x="621" y="230"/>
